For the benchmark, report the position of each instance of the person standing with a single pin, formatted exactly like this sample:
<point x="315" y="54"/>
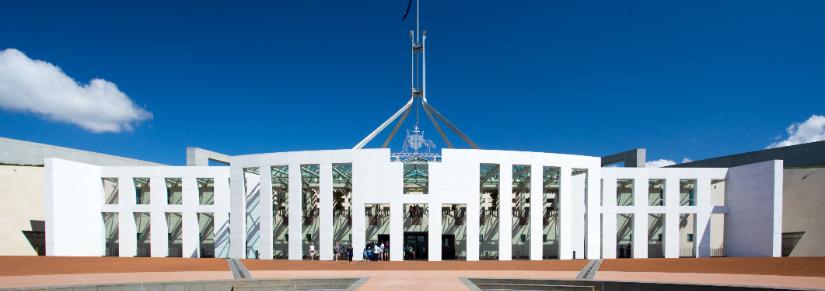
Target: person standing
<point x="377" y="252"/>
<point x="349" y="253"/>
<point x="311" y="252"/>
<point x="336" y="251"/>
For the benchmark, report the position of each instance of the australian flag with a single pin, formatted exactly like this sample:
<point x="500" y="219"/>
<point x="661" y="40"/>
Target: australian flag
<point x="407" y="11"/>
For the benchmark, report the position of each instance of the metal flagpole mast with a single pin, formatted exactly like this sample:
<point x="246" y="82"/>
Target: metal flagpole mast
<point x="418" y="92"/>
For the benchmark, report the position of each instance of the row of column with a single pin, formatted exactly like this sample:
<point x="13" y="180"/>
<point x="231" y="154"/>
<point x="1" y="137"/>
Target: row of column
<point x="588" y="224"/>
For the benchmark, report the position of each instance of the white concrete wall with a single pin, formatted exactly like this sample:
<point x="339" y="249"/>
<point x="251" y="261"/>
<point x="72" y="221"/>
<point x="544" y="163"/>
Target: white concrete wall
<point x="754" y="201"/>
<point x="74" y="201"/>
<point x="74" y="195"/>
<point x="21" y="190"/>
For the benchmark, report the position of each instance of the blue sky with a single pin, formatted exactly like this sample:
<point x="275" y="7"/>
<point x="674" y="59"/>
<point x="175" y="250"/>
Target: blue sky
<point x="691" y="79"/>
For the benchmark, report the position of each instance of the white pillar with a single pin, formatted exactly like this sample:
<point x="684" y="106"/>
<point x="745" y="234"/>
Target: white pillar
<point x="326" y="220"/>
<point x="704" y="208"/>
<point x="397" y="231"/>
<point x="265" y="212"/>
<point x="672" y="217"/>
<point x="505" y="226"/>
<point x="237" y="204"/>
<point x="127" y="233"/>
<point x="359" y="228"/>
<point x="594" y="210"/>
<point x="434" y="231"/>
<point x="189" y="218"/>
<point x="640" y="201"/>
<point x="159" y="243"/>
<point x="566" y="215"/>
<point x="609" y="218"/>
<point x="640" y="234"/>
<point x="473" y="209"/>
<point x="536" y="211"/>
<point x="296" y="251"/>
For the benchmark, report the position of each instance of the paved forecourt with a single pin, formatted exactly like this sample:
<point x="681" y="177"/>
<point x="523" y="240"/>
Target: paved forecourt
<point x="30" y="272"/>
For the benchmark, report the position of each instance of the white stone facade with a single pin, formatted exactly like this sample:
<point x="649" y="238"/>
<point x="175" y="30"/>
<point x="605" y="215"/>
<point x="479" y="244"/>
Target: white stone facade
<point x="587" y="213"/>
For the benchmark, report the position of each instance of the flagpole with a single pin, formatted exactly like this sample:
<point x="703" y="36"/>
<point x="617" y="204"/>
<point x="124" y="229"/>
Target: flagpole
<point x="417" y="13"/>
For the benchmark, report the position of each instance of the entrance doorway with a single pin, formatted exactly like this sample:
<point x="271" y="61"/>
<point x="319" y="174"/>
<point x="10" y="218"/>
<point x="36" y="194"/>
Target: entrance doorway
<point x="415" y="246"/>
<point x="448" y="247"/>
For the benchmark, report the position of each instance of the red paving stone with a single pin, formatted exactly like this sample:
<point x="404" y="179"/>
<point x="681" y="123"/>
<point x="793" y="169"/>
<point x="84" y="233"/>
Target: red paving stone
<point x="567" y="265"/>
<point x="22" y="266"/>
<point x="803" y="266"/>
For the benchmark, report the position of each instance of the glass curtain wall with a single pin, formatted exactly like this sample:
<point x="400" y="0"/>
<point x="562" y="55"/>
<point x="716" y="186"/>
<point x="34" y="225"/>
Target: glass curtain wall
<point x="521" y="212"/>
<point x="342" y="204"/>
<point x="310" y="199"/>
<point x="551" y="191"/>
<point x="490" y="179"/>
<point x="280" y="212"/>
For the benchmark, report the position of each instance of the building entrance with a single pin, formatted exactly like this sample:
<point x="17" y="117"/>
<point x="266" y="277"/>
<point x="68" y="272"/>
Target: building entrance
<point x="415" y="246"/>
<point x="448" y="247"/>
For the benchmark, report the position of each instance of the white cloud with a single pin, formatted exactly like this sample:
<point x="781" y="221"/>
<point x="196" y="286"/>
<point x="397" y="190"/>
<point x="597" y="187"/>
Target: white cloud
<point x="41" y="88"/>
<point x="686" y="160"/>
<point x="659" y="163"/>
<point x="811" y="130"/>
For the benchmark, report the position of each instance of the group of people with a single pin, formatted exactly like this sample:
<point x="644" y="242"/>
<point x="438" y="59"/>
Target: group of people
<point x="341" y="253"/>
<point x="379" y="251"/>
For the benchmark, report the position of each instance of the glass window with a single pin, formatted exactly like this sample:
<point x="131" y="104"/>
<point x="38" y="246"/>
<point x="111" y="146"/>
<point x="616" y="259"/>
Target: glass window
<point x="656" y="192"/>
<point x="687" y="192"/>
<point x="142" y="190"/>
<point x="416" y="178"/>
<point x="552" y="186"/>
<point x="174" y="191"/>
<point x="280" y="212"/>
<point x="624" y="192"/>
<point x="206" y="191"/>
<point x="490" y="178"/>
<point x="110" y="190"/>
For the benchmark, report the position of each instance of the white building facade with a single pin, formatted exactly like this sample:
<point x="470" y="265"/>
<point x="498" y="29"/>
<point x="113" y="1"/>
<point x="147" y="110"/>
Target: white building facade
<point x="468" y="205"/>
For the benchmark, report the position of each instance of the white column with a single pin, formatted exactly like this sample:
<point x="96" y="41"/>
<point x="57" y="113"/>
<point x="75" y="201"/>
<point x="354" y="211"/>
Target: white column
<point x="326" y="222"/>
<point x="189" y="218"/>
<point x="158" y="229"/>
<point x="397" y="231"/>
<point x="434" y="231"/>
<point x="359" y="228"/>
<point x="640" y="201"/>
<point x="536" y="211"/>
<point x="640" y="234"/>
<point x="473" y="209"/>
<point x="704" y="208"/>
<point x="127" y="233"/>
<point x="191" y="234"/>
<point x="566" y="215"/>
<point x="265" y="212"/>
<point x="296" y="251"/>
<point x="594" y="237"/>
<point x="505" y="213"/>
<point x="672" y="216"/>
<point x="237" y="204"/>
<point x="609" y="218"/>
